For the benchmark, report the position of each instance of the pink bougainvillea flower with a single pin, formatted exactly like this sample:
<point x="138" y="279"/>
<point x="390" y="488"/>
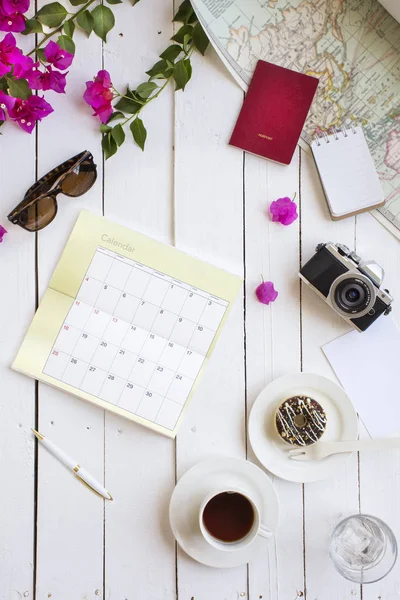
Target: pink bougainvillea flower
<point x="104" y="78"/>
<point x="9" y="53"/>
<point x="99" y="95"/>
<point x="284" y="210"/>
<point x="2" y="233"/>
<point x="266" y="292"/>
<point x="58" y="57"/>
<point x="27" y="112"/>
<point x="6" y="103"/>
<point x="22" y="65"/>
<point x="14" y="22"/>
<point x="47" y="80"/>
<point x="11" y="7"/>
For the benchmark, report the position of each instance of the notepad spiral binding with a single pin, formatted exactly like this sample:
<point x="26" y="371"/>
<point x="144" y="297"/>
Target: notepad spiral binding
<point x="327" y="137"/>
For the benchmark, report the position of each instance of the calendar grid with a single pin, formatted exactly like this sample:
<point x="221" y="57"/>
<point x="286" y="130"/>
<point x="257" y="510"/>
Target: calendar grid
<point x="136" y="338"/>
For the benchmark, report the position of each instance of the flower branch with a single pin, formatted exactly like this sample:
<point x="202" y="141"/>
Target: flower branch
<point x="174" y="66"/>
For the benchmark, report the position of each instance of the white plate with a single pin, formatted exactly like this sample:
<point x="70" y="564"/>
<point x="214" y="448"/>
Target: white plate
<point x="272" y="451"/>
<point x="191" y="490"/>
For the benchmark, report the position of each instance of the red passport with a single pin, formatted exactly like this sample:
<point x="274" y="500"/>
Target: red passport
<point x="274" y="112"/>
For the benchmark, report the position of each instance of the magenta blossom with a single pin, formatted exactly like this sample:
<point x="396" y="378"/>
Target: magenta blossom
<point x="99" y="95"/>
<point x="9" y="53"/>
<point x="266" y="292"/>
<point x="47" y="80"/>
<point x="10" y="7"/>
<point x="14" y="22"/>
<point x="27" y="112"/>
<point x="6" y="102"/>
<point x="2" y="233"/>
<point x="22" y="65"/>
<point x="284" y="210"/>
<point x="58" y="57"/>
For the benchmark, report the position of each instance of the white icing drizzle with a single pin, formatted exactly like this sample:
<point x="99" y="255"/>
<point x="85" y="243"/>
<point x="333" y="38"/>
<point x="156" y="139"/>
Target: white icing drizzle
<point x="289" y="428"/>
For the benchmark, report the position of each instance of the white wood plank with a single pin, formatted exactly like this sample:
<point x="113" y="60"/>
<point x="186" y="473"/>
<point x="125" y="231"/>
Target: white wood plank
<point x="17" y="411"/>
<point x="379" y="480"/>
<point x="273" y="350"/>
<point x="324" y="501"/>
<point x="70" y="517"/>
<point x="209" y="222"/>
<point x="140" y="465"/>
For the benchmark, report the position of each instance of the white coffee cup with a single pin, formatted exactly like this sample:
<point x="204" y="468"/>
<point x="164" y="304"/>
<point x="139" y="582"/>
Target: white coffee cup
<point x="257" y="527"/>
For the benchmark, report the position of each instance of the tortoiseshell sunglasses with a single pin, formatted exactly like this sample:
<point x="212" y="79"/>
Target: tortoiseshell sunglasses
<point x="73" y="178"/>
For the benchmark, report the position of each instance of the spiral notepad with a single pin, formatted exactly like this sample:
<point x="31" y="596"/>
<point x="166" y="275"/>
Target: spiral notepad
<point x="347" y="172"/>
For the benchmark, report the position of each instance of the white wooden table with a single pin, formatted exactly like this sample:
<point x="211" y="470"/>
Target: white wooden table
<point x="190" y="189"/>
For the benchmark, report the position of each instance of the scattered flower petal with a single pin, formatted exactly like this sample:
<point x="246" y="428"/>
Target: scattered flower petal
<point x="284" y="210"/>
<point x="266" y="292"/>
<point x="57" y="56"/>
<point x="2" y="233"/>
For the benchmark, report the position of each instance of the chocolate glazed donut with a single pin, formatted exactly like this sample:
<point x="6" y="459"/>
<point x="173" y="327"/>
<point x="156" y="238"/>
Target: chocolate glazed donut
<point x="300" y="421"/>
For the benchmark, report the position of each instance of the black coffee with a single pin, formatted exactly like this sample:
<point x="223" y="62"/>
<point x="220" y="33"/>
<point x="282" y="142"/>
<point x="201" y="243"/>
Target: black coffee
<point x="228" y="516"/>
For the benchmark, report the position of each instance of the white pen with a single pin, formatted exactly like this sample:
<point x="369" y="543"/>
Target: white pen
<point x="71" y="464"/>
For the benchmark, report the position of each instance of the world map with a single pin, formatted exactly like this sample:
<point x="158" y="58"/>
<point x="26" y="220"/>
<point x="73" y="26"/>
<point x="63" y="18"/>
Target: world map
<point x="351" y="46"/>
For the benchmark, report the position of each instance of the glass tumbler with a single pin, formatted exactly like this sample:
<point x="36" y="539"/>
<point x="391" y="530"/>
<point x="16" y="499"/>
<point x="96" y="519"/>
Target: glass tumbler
<point x="363" y="548"/>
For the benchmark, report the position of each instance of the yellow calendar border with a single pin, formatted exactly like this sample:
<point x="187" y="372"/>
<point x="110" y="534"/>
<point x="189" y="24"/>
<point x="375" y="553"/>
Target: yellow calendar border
<point x="91" y="231"/>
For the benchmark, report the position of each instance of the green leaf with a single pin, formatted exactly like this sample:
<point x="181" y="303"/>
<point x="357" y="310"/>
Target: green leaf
<point x="188" y="67"/>
<point x="172" y="52"/>
<point x="52" y="15"/>
<point x="180" y="35"/>
<point x="3" y="85"/>
<point x="109" y="145"/>
<point x="186" y="41"/>
<point x="134" y="2"/>
<point x="19" y="88"/>
<point x="192" y="19"/>
<point x="66" y="43"/>
<point x="69" y="28"/>
<point x="41" y="55"/>
<point x="127" y="105"/>
<point x="77" y="2"/>
<point x="85" y="21"/>
<point x="104" y="21"/>
<point x="32" y="26"/>
<point x="139" y="132"/>
<point x="185" y="11"/>
<point x="157" y="69"/>
<point x="200" y="39"/>
<point x="115" y="116"/>
<point x="114" y="1"/>
<point x="105" y="128"/>
<point x="181" y="75"/>
<point x="144" y="90"/>
<point x="118" y="134"/>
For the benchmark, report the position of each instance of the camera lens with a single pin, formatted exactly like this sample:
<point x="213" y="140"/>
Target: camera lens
<point x="352" y="295"/>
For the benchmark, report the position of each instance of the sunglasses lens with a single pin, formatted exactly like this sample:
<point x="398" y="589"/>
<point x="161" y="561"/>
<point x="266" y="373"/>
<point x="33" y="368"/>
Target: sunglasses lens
<point x="39" y="214"/>
<point x="80" y="180"/>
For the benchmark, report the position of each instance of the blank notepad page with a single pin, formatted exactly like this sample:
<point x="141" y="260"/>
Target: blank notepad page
<point x="347" y="172"/>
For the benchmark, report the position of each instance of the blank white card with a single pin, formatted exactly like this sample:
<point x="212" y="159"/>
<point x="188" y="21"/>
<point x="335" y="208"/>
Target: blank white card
<point x="367" y="365"/>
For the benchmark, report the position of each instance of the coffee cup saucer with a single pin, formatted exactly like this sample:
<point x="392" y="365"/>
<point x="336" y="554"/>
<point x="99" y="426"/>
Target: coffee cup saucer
<point x="190" y="492"/>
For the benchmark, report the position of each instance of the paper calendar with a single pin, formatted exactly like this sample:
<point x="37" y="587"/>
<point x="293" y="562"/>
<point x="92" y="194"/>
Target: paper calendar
<point x="127" y="323"/>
